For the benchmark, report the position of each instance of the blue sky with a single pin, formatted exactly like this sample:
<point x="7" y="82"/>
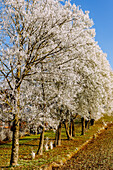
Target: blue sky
<point x="101" y="11"/>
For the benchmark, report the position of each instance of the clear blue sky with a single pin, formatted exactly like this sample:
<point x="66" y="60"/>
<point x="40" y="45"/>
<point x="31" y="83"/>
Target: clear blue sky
<point x="101" y="11"/>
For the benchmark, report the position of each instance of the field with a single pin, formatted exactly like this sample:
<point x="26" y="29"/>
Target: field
<point x="29" y="143"/>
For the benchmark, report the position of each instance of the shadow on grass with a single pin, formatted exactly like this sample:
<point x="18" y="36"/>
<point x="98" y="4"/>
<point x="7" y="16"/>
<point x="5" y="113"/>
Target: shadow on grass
<point x="6" y="144"/>
<point x="65" y="139"/>
<point x="28" y="139"/>
<point x="5" y="167"/>
<point x="24" y="144"/>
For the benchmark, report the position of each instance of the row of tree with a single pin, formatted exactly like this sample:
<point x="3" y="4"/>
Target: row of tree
<point x="51" y="68"/>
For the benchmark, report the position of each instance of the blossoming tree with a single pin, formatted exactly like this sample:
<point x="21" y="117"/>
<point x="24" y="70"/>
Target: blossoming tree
<point x="59" y="37"/>
<point x="30" y="32"/>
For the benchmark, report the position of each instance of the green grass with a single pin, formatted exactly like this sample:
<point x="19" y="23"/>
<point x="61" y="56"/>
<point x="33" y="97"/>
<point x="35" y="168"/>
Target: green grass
<point x="29" y="143"/>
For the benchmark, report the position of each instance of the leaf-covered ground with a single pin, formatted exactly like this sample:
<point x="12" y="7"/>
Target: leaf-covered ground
<point x="29" y="143"/>
<point x="97" y="155"/>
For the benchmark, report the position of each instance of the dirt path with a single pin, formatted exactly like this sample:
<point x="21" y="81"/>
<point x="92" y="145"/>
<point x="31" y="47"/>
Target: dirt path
<point x="97" y="155"/>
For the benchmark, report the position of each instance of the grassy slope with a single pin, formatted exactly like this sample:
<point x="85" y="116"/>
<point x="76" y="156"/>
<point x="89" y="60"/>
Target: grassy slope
<point x="29" y="143"/>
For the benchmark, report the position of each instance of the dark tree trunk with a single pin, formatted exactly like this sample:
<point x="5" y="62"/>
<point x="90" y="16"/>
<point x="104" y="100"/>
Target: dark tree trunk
<point x="58" y="135"/>
<point x="92" y="122"/>
<point x="83" y="125"/>
<point x="15" y="141"/>
<point x="87" y="124"/>
<point x="41" y="143"/>
<point x="73" y="129"/>
<point x="70" y="128"/>
<point x="67" y="130"/>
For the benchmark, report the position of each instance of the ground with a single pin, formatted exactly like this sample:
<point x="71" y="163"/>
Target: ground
<point x="96" y="155"/>
<point x="59" y="153"/>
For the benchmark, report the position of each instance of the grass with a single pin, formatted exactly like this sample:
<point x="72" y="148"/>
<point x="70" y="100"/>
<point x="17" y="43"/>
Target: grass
<point x="29" y="143"/>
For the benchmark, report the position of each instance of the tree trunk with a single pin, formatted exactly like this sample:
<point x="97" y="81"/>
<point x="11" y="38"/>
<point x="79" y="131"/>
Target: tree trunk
<point x="58" y="135"/>
<point x="92" y="122"/>
<point x="87" y="124"/>
<point x="67" y="130"/>
<point x="83" y="125"/>
<point x="41" y="143"/>
<point x="56" y="138"/>
<point x="36" y="132"/>
<point x="15" y="141"/>
<point x="72" y="128"/>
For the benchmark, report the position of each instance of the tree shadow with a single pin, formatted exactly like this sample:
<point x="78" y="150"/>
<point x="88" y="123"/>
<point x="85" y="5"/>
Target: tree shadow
<point x="6" y="144"/>
<point x="5" y="167"/>
<point x="29" y="139"/>
<point x="25" y="144"/>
